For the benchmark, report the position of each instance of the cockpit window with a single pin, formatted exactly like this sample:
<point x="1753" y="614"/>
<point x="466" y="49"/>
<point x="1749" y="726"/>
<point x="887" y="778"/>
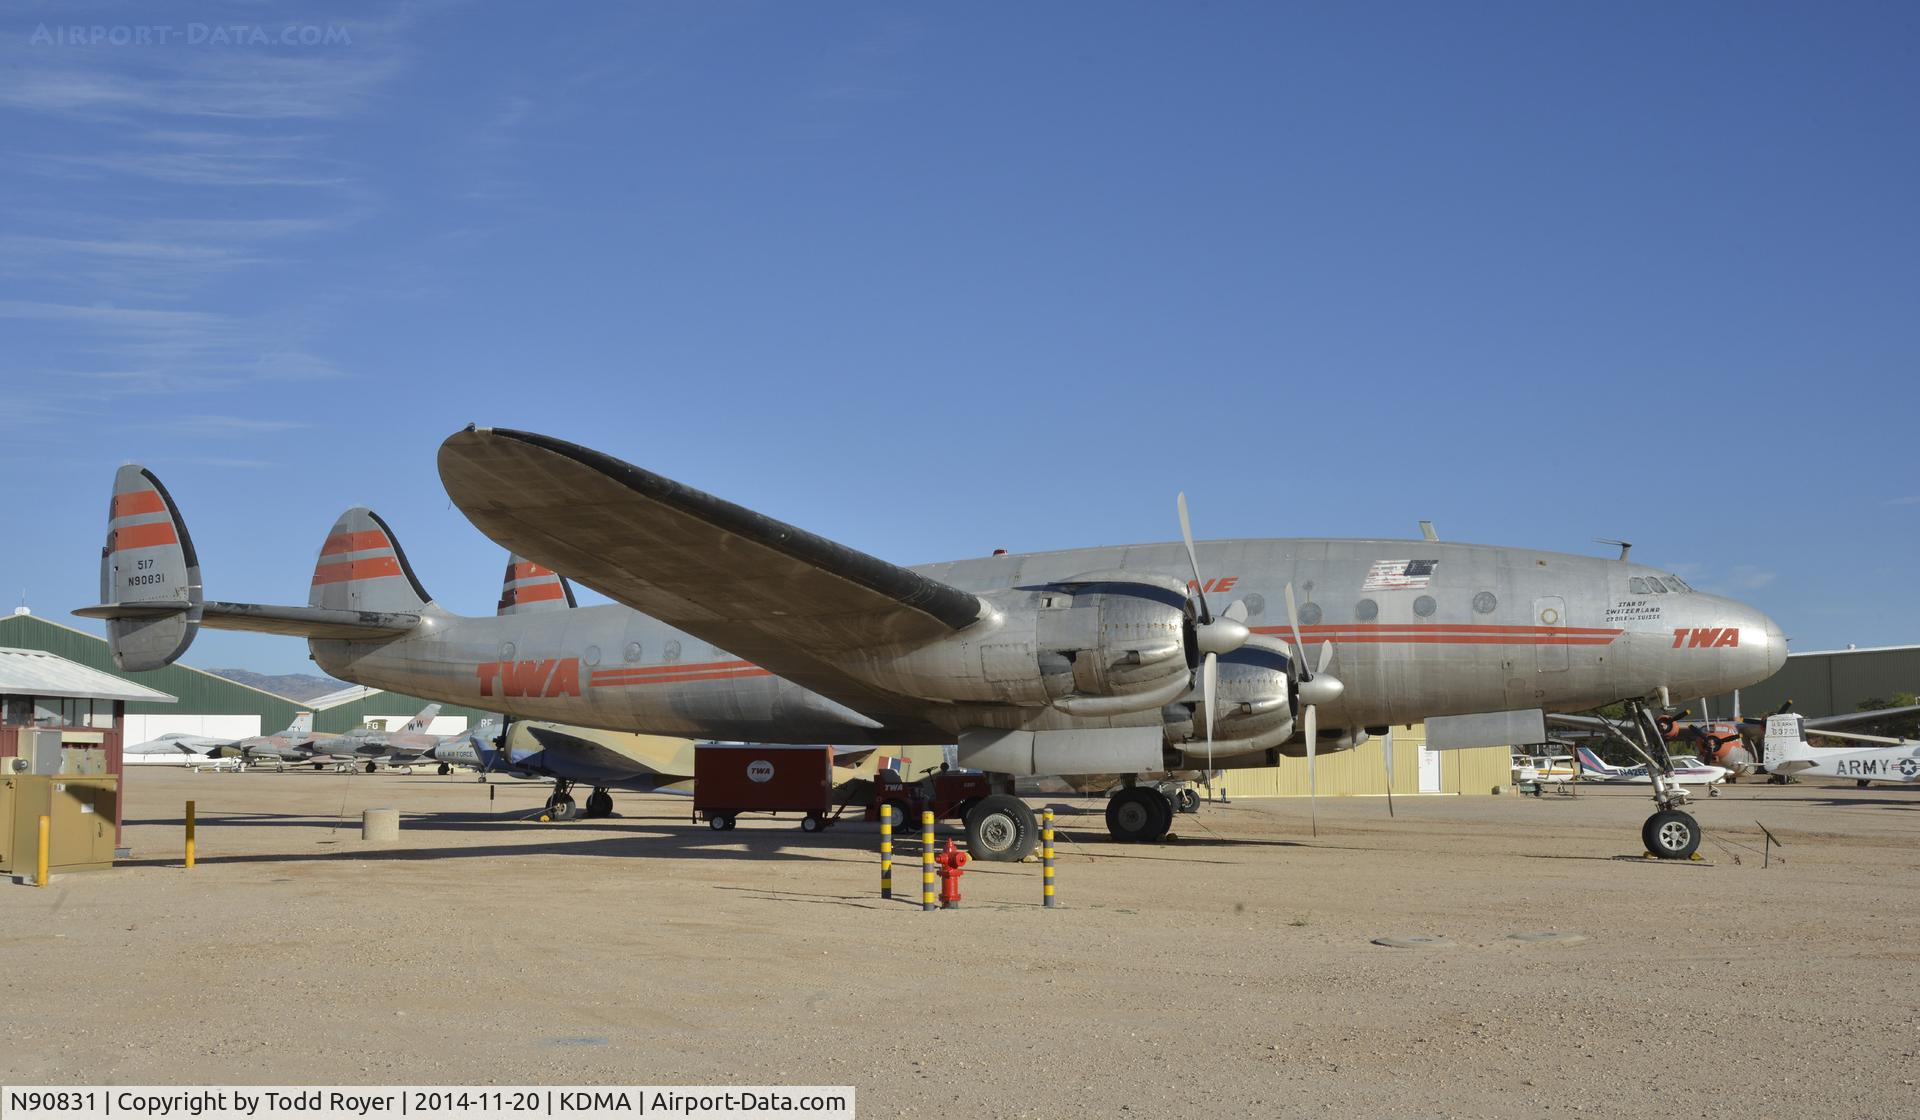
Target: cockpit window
<point x="1639" y="586"/>
<point x="1658" y="587"/>
<point x="1677" y="585"/>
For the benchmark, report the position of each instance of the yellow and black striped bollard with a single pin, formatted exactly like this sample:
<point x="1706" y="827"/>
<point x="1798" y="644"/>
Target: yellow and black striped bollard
<point x="926" y="861"/>
<point x="1046" y="858"/>
<point x="886" y="851"/>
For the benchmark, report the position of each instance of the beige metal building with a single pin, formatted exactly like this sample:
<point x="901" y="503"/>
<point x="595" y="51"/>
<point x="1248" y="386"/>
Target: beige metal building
<point x="1360" y="772"/>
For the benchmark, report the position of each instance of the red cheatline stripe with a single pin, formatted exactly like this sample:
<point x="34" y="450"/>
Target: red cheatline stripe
<point x="1435" y="627"/>
<point x="144" y="536"/>
<point x="642" y="676"/>
<point x="361" y="541"/>
<point x="527" y="570"/>
<point x="687" y="668"/>
<point x="533" y="593"/>
<point x="618" y="678"/>
<point x="1467" y="639"/>
<point x="375" y="567"/>
<point x="137" y="501"/>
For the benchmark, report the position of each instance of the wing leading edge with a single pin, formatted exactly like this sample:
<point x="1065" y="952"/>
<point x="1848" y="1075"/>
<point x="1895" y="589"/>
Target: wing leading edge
<point x="788" y="600"/>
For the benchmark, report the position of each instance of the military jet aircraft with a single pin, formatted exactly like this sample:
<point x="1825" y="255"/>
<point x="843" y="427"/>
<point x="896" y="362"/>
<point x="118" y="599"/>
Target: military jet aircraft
<point x="411" y="741"/>
<point x="728" y="624"/>
<point x="176" y="748"/>
<point x="297" y="743"/>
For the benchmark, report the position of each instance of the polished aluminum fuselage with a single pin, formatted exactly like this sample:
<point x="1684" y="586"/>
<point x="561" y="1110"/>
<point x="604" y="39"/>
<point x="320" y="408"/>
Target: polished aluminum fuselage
<point x="1481" y="629"/>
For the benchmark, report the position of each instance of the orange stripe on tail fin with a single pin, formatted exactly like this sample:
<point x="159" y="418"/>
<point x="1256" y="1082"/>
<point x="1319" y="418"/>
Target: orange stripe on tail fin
<point x="376" y="578"/>
<point x="530" y="587"/>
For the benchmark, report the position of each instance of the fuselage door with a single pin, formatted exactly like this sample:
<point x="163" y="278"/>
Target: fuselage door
<point x="1550" y="654"/>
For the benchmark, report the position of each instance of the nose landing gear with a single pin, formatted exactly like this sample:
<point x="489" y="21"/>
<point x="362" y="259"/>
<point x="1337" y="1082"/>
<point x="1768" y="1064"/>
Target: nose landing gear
<point x="1670" y="833"/>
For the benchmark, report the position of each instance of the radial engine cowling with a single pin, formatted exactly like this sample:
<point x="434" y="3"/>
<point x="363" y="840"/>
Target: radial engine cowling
<point x="1254" y="702"/>
<point x="1117" y="644"/>
<point x="1102" y="644"/>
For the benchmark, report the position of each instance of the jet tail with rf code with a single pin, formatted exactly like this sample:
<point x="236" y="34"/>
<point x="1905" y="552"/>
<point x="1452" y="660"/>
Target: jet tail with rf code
<point x="151" y="594"/>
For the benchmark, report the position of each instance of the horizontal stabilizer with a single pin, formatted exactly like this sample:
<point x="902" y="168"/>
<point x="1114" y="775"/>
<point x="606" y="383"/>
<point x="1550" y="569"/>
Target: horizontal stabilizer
<point x="303" y="622"/>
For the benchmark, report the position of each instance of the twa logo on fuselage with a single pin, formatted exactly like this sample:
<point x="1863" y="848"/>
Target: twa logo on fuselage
<point x="1710" y="637"/>
<point x="1223" y="583"/>
<point x="552" y="677"/>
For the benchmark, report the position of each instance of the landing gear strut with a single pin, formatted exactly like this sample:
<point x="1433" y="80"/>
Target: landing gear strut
<point x="560" y="806"/>
<point x="599" y="803"/>
<point x="1669" y="833"/>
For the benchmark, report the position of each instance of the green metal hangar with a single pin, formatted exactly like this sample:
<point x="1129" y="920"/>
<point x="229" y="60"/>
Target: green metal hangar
<point x="213" y="705"/>
<point x="1830" y="683"/>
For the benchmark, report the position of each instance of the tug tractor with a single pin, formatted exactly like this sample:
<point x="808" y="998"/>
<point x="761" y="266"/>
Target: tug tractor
<point x="1000" y="827"/>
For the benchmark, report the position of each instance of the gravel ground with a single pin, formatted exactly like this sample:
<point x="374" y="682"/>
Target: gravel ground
<point x="1230" y="971"/>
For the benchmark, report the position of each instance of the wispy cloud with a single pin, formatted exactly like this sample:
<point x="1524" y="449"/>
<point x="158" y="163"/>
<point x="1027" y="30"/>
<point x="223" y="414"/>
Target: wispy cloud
<point x="148" y="148"/>
<point x="1910" y="500"/>
<point x="233" y="425"/>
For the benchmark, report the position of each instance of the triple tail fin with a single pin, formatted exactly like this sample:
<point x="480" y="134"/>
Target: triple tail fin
<point x="150" y="590"/>
<point x="530" y="587"/>
<point x="362" y="568"/>
<point x="149" y="574"/>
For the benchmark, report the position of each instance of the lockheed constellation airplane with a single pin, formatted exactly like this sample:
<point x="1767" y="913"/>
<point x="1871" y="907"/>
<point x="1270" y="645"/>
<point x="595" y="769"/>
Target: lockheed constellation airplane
<point x="728" y="624"/>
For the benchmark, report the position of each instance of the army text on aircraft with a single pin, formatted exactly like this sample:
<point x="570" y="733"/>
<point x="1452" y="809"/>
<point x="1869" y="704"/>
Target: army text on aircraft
<point x="1788" y="753"/>
<point x="731" y="625"/>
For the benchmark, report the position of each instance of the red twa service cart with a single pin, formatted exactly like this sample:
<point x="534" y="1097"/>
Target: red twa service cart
<point x="729" y="779"/>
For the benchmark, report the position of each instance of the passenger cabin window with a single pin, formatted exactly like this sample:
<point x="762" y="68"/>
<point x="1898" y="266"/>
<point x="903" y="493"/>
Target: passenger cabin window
<point x="1639" y="586"/>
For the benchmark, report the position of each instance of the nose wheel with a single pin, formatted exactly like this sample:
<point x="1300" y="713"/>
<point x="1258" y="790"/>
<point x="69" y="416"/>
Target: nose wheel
<point x="1671" y="834"/>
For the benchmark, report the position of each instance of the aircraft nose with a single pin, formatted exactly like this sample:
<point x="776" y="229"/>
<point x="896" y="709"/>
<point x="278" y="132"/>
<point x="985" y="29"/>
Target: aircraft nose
<point x="1776" y="646"/>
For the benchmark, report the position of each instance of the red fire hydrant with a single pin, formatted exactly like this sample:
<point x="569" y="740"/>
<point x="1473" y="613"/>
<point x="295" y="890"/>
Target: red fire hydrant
<point x="952" y="861"/>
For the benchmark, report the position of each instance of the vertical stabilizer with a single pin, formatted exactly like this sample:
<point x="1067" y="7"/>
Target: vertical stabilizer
<point x="362" y="568"/>
<point x="530" y="587"/>
<point x="149" y="574"/>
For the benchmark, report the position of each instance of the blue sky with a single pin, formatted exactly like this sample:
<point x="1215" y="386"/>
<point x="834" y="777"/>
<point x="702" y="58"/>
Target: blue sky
<point x="933" y="278"/>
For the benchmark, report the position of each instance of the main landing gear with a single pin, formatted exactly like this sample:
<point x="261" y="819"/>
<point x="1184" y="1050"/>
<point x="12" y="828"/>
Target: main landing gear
<point x="1139" y="815"/>
<point x="1670" y="833"/>
<point x="561" y="807"/>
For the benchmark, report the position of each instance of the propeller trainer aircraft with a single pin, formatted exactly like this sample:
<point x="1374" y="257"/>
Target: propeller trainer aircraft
<point x="732" y="625"/>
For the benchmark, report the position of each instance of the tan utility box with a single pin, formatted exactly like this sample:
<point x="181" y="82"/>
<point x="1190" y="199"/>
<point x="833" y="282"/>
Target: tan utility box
<point x="80" y="812"/>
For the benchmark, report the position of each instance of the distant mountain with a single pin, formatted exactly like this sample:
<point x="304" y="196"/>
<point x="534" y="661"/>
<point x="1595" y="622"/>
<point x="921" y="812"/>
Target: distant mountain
<point x="293" y="686"/>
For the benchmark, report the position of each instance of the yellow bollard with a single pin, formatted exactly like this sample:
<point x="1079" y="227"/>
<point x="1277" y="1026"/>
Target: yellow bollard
<point x="1046" y="858"/>
<point x="40" y="866"/>
<point x="886" y="851"/>
<point x="189" y="836"/>
<point x="926" y="861"/>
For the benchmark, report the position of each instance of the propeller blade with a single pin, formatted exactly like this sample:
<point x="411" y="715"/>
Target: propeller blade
<point x="1386" y="752"/>
<point x="1236" y="612"/>
<point x="1293" y="620"/>
<point x="1313" y="789"/>
<point x="1326" y="658"/>
<point x="1209" y="672"/>
<point x="1193" y="558"/>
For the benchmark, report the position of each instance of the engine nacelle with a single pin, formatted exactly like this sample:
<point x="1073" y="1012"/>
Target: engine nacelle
<point x="1103" y="644"/>
<point x="1255" y="697"/>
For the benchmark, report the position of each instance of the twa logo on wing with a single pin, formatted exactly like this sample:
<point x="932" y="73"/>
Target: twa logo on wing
<point x="1711" y="637"/>
<point x="552" y="677"/>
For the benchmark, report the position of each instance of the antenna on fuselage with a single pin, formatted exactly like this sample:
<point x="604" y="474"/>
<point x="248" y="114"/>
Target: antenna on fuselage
<point x="1625" y="546"/>
<point x="1426" y="531"/>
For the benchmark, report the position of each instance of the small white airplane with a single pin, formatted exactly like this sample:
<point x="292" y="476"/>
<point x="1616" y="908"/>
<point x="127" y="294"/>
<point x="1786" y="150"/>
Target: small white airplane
<point x="1788" y="752"/>
<point x="1687" y="770"/>
<point x="175" y="748"/>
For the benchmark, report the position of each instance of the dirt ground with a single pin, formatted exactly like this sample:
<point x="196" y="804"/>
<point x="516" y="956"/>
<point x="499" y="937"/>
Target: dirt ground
<point x="1228" y="972"/>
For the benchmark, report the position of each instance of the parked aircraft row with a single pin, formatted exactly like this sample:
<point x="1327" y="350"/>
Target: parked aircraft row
<point x="299" y="743"/>
<point x="728" y="624"/>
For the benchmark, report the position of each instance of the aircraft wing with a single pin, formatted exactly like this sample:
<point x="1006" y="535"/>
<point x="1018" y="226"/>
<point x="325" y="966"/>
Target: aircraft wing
<point x="590" y="758"/>
<point x="1848" y="719"/>
<point x="785" y="599"/>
